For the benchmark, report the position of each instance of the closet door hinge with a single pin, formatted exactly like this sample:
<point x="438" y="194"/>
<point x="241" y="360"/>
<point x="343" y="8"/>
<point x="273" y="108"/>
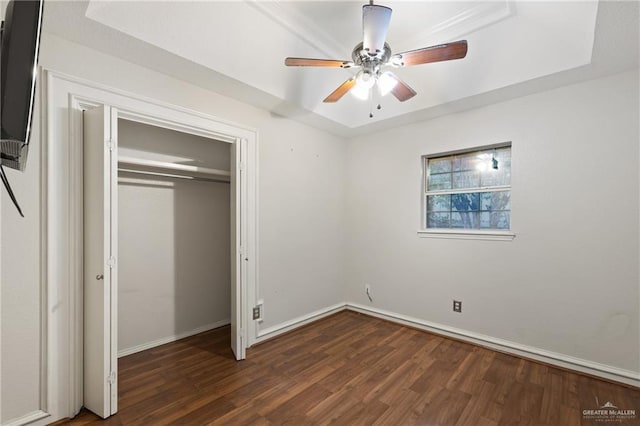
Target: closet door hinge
<point x="111" y="262"/>
<point x="110" y="144"/>
<point x="241" y="166"/>
<point x="111" y="378"/>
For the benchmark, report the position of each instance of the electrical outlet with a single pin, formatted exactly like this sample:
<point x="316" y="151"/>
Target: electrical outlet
<point x="457" y="306"/>
<point x="257" y="311"/>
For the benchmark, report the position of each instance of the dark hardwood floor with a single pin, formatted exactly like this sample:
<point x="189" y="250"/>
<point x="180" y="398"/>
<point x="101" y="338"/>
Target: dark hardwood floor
<point x="352" y="369"/>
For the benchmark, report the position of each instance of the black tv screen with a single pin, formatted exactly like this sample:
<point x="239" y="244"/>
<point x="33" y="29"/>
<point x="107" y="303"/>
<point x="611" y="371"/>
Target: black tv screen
<point x="20" y="45"/>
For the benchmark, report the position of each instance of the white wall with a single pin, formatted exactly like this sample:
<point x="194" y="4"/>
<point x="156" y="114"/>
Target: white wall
<point x="568" y="283"/>
<point x="301" y="197"/>
<point x="159" y="144"/>
<point x="21" y="288"/>
<point x="173" y="240"/>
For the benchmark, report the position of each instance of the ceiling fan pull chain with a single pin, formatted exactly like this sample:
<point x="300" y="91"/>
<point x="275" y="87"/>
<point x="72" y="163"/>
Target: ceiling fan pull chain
<point x="371" y="92"/>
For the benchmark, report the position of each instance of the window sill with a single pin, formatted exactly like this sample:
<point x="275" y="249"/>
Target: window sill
<point x="467" y="234"/>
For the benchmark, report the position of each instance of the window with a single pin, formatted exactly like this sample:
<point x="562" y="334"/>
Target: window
<point x="468" y="190"/>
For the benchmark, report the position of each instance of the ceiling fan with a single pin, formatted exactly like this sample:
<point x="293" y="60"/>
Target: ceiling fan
<point x="373" y="55"/>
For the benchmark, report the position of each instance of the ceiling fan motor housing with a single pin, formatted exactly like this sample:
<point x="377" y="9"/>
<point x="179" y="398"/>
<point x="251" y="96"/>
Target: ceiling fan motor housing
<point x="375" y="24"/>
<point x="370" y="64"/>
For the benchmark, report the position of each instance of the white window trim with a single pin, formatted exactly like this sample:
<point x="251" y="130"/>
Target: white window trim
<point x="469" y="190"/>
<point x="463" y="233"/>
<point x="467" y="234"/>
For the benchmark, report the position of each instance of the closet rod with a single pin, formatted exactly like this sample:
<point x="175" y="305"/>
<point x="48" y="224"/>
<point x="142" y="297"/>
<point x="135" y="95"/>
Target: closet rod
<point x="171" y="175"/>
<point x="143" y="164"/>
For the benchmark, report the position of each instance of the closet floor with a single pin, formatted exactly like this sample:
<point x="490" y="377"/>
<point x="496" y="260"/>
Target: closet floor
<point x="351" y="369"/>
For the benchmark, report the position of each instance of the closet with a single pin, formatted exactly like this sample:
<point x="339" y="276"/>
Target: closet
<point x="174" y="274"/>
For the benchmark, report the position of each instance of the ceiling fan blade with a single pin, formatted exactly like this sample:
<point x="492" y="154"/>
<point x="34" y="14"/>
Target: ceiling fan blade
<point x="340" y="91"/>
<point x="442" y="52"/>
<point x="401" y="91"/>
<point x="375" y="24"/>
<point x="309" y="62"/>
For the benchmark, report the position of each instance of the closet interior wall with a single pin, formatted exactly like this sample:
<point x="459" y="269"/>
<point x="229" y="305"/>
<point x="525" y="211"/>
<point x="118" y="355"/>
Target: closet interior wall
<point x="174" y="237"/>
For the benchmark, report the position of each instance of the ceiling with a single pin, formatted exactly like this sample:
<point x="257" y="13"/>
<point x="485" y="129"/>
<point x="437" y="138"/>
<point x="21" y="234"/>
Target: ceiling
<point x="237" y="48"/>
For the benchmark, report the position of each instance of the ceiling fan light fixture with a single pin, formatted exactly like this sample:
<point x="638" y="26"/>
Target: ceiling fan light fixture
<point x="365" y="79"/>
<point x="360" y="92"/>
<point x="386" y="83"/>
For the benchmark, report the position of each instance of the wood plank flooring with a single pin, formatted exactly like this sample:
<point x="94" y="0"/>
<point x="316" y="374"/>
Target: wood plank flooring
<point x="352" y="369"/>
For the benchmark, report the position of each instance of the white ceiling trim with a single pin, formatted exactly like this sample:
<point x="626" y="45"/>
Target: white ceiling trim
<point x="302" y="27"/>
<point x="457" y="26"/>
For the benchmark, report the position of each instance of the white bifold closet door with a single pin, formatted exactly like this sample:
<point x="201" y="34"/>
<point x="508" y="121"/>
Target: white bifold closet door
<point x="101" y="259"/>
<point x="100" y="254"/>
<point x="238" y="263"/>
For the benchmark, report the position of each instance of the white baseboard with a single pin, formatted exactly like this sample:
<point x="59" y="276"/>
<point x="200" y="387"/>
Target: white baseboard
<point x="29" y="419"/>
<point x="553" y="358"/>
<point x="279" y="329"/>
<point x="169" y="339"/>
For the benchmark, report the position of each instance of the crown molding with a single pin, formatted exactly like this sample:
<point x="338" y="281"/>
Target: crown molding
<point x="466" y="22"/>
<point x="303" y="27"/>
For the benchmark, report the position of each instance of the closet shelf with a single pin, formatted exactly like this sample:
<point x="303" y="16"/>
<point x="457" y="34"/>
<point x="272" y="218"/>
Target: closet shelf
<point x="163" y="168"/>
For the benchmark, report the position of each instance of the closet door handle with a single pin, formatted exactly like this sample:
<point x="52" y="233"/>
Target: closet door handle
<point x="99" y="277"/>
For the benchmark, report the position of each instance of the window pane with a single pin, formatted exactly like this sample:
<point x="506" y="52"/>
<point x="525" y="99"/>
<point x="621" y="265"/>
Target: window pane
<point x="465" y="202"/>
<point x="485" y="220"/>
<point x="439" y="203"/>
<point x="468" y="220"/>
<point x="500" y="220"/>
<point x="469" y="179"/>
<point x="494" y="220"/>
<point x="439" y="181"/>
<point x="438" y="220"/>
<point x="503" y="155"/>
<point x="486" y="200"/>
<point x="499" y="200"/>
<point x="492" y="177"/>
<point x="497" y="171"/>
<point x="464" y="162"/>
<point x="440" y="165"/>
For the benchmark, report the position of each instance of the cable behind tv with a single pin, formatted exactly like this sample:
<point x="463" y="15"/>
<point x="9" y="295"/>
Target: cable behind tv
<point x="7" y="186"/>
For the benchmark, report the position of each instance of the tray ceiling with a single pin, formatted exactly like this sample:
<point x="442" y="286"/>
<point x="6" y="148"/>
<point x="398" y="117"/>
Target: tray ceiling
<point x="510" y="43"/>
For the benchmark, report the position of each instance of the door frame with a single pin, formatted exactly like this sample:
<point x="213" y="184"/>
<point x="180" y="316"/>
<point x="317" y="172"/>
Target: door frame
<point x="65" y="99"/>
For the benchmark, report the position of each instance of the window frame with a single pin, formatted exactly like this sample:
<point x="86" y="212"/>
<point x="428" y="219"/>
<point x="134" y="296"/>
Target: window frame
<point x="462" y="233"/>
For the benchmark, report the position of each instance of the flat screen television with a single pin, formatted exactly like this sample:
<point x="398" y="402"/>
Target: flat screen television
<point x="20" y="35"/>
<point x="20" y="45"/>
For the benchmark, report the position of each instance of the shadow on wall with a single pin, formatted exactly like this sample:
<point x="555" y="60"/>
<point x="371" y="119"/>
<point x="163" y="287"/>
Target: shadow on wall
<point x="174" y="275"/>
<point x="202" y="254"/>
